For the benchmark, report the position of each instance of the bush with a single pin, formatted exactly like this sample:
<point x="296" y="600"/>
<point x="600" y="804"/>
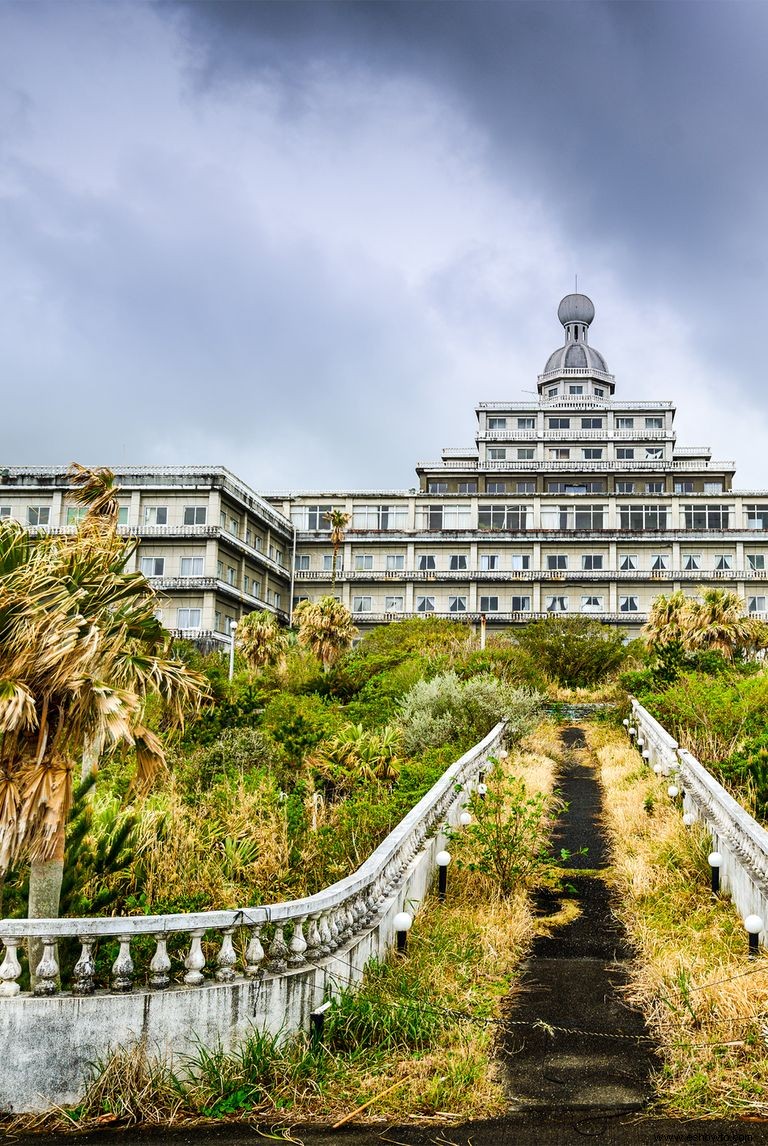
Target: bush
<point x="447" y="710"/>
<point x="235" y="753"/>
<point x="573" y="651"/>
<point x="298" y="723"/>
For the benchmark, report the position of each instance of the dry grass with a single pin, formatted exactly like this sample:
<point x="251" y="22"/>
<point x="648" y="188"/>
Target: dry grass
<point x="711" y="1031"/>
<point x="609" y="692"/>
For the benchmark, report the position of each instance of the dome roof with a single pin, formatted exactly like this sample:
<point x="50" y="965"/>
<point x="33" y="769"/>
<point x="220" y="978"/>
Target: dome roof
<point x="576" y="308"/>
<point x="577" y="356"/>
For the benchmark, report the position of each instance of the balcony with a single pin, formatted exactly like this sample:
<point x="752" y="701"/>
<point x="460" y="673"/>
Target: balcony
<point x="499" y="618"/>
<point x="465" y="576"/>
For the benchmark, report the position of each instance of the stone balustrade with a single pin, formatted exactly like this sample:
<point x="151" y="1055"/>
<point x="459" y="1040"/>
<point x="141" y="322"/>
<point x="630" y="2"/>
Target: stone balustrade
<point x="741" y="842"/>
<point x="178" y="980"/>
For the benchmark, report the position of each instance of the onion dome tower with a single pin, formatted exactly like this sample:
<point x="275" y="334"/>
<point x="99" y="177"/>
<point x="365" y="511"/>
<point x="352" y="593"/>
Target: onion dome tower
<point x="576" y="369"/>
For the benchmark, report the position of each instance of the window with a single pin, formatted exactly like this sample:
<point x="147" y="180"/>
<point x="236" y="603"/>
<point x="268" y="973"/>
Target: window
<point x="75" y="514"/>
<point x="189" y="567"/>
<point x="559" y="423"/>
<point x="497" y="454"/>
<point x="552" y="392"/>
<point x="489" y="561"/>
<point x="526" y="423"/>
<point x="122" y="515"/>
<point x="625" y="423"/>
<point x="467" y="487"/>
<point x="627" y="561"/>
<point x="380" y="517"/>
<point x="756" y="604"/>
<point x="220" y="569"/>
<point x="425" y="604"/>
<point x="592" y="454"/>
<point x="556" y="604"/>
<point x="278" y="598"/>
<point x="625" y="487"/>
<point x="575" y="389"/>
<point x="498" y="423"/>
<point x="443" y="517"/>
<point x="489" y="604"/>
<point x="156" y="515"/>
<point x="301" y="563"/>
<point x="557" y="561"/>
<point x="723" y="561"/>
<point x="683" y="487"/>
<point x="312" y="517"/>
<point x="153" y="566"/>
<point x="599" y="392"/>
<point x="654" y="487"/>
<point x="363" y="561"/>
<point x="659" y="562"/>
<point x="713" y="487"/>
<point x="707" y="516"/>
<point x="525" y="487"/>
<point x="217" y="621"/>
<point x="425" y="561"/>
<point x="757" y="516"/>
<point x="691" y="562"/>
<point x="643" y="517"/>
<point x="627" y="604"/>
<point x="521" y="560"/>
<point x="509" y="517"/>
<point x="234" y="527"/>
<point x="38" y="515"/>
<point x="395" y="561"/>
<point x="188" y="618"/>
<point x="195" y="514"/>
<point x="525" y="453"/>
<point x="5" y="511"/>
<point x="246" y="583"/>
<point x="654" y="423"/>
<point x="591" y="423"/>
<point x="625" y="453"/>
<point x="457" y="561"/>
<point x="560" y="454"/>
<point x="496" y="487"/>
<point x="756" y="560"/>
<point x="437" y="487"/>
<point x="361" y="604"/>
<point x="296" y="601"/>
<point x="521" y="604"/>
<point x="573" y="517"/>
<point x="591" y="604"/>
<point x="592" y="561"/>
<point x="231" y="575"/>
<point x="457" y="604"/>
<point x="328" y="563"/>
<point x="654" y="451"/>
<point x="573" y="487"/>
<point x="393" y="604"/>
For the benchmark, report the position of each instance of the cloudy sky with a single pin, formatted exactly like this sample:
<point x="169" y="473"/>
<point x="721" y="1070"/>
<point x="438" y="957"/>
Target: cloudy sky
<point x="304" y="240"/>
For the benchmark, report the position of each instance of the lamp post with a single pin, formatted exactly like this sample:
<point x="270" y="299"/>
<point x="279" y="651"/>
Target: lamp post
<point x="402" y="923"/>
<point x="754" y="925"/>
<point x="714" y="859"/>
<point x="232" y="631"/>
<point x="442" y="859"/>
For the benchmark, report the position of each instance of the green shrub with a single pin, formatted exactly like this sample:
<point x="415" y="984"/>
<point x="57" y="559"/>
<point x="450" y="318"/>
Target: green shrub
<point x="234" y="754"/>
<point x="298" y="723"/>
<point x="573" y="651"/>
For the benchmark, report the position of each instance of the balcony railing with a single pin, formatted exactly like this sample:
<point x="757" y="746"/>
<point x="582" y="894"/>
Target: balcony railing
<point x="359" y="576"/>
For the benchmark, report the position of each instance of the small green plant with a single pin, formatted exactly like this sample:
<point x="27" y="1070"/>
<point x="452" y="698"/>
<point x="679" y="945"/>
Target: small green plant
<point x="508" y="838"/>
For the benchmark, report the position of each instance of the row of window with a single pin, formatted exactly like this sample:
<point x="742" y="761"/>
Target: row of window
<point x="590" y="603"/>
<point x="459" y="562"/>
<point x="571" y="487"/>
<point x="568" y="453"/>
<point x="585" y="423"/>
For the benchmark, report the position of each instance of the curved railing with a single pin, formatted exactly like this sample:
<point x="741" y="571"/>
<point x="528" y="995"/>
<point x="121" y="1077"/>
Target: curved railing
<point x="331" y="917"/>
<point x="741" y="842"/>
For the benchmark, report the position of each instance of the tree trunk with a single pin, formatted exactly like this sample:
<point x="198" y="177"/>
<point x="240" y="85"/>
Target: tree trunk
<point x="45" y="878"/>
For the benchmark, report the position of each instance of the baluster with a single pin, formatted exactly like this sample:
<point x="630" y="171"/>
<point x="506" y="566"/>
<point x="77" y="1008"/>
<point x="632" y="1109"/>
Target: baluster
<point x="278" y="952"/>
<point x="346" y="922"/>
<point x="359" y="913"/>
<point x="122" y="968"/>
<point x="84" y="973"/>
<point x="10" y="969"/>
<point x="160" y="965"/>
<point x="325" y="934"/>
<point x="314" y="942"/>
<point x="254" y="953"/>
<point x="226" y="958"/>
<point x="298" y="944"/>
<point x="47" y="970"/>
<point x="333" y="928"/>
<point x="195" y="961"/>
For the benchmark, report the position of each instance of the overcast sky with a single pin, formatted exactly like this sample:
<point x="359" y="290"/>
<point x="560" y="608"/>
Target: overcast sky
<point x="304" y="240"/>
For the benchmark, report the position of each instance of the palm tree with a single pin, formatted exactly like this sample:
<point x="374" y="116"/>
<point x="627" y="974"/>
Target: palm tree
<point x="338" y="521"/>
<point x="261" y="640"/>
<point x="325" y="627"/>
<point x="718" y="621"/>
<point x="81" y="651"/>
<point x="666" y="622"/>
